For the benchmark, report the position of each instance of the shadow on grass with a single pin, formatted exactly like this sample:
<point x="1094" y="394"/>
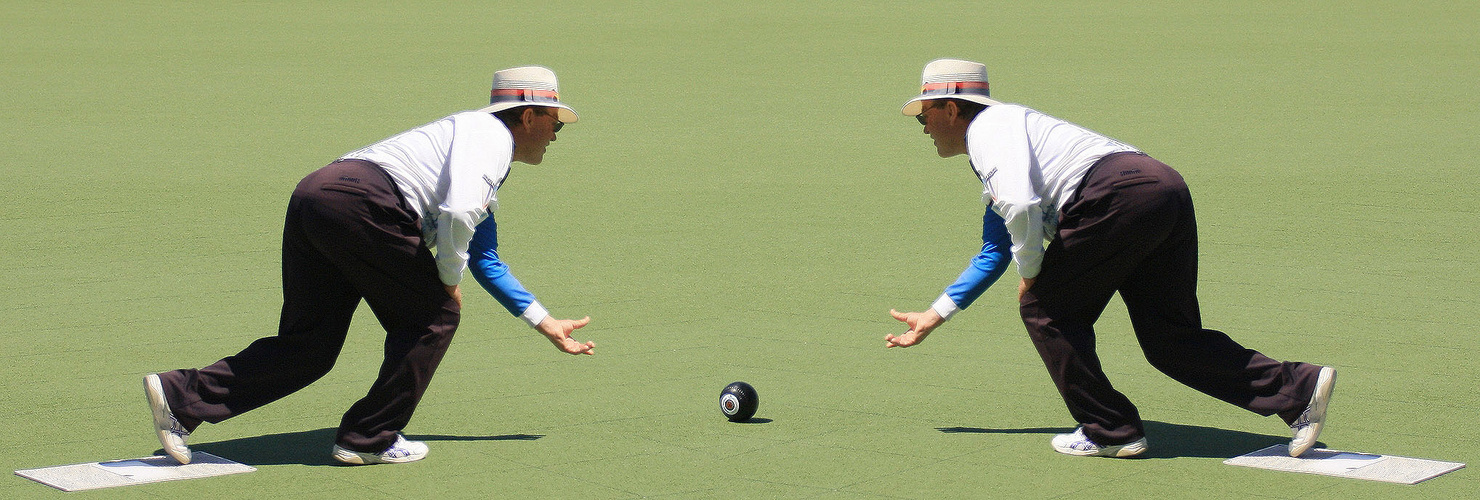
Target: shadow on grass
<point x="310" y="447"/>
<point x="1167" y="440"/>
<point x="1028" y="430"/>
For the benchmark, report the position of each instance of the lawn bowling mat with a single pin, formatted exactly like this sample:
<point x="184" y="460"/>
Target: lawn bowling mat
<point x="96" y="475"/>
<point x="1387" y="468"/>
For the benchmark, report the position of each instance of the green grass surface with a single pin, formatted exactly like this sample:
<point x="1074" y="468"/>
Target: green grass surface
<point x="741" y="201"/>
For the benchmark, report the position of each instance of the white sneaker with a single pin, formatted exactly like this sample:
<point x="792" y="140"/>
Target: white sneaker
<point x="1308" y="427"/>
<point x="401" y="452"/>
<point x="1079" y="445"/>
<point x="171" y="434"/>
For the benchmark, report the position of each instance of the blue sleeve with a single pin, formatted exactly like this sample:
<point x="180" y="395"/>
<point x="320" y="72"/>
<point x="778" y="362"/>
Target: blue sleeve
<point x="492" y="273"/>
<point x="987" y="266"/>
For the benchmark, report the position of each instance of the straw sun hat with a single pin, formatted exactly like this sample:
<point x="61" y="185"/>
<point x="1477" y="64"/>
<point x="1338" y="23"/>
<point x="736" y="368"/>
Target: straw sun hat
<point x="528" y="86"/>
<point x="951" y="79"/>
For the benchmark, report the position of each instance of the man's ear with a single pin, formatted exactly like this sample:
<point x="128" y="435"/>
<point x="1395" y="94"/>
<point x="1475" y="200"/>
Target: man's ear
<point x="527" y="117"/>
<point x="952" y="111"/>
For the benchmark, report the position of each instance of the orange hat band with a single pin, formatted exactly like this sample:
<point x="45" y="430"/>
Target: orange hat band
<point x="523" y="95"/>
<point x="950" y="88"/>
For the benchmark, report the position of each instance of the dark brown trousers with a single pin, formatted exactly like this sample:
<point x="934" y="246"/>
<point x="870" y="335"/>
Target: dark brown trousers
<point x="1130" y="229"/>
<point x="349" y="235"/>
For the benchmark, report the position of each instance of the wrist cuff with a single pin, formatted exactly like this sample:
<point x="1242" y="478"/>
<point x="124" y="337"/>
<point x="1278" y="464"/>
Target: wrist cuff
<point x="945" y="307"/>
<point x="534" y="314"/>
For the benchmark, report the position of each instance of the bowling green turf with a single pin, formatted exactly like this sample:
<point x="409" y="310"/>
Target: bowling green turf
<point x="741" y="200"/>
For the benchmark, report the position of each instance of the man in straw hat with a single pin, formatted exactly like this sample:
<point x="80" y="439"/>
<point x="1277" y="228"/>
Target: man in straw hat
<point x="1116" y="220"/>
<point x="364" y="227"/>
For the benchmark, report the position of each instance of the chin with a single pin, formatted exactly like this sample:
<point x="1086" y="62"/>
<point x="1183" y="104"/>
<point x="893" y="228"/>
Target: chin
<point x="537" y="158"/>
<point x="948" y="152"/>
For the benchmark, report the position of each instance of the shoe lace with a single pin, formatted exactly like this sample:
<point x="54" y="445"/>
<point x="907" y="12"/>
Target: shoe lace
<point x="1302" y="421"/>
<point x="177" y="429"/>
<point x="1082" y="442"/>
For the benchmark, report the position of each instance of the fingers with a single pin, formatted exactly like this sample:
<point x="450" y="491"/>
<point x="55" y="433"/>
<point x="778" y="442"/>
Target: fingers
<point x="574" y="346"/>
<point x="909" y="337"/>
<point x="905" y="339"/>
<point x="898" y="315"/>
<point x="565" y="326"/>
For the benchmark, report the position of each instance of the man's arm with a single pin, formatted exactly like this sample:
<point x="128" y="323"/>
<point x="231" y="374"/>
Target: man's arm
<point x="477" y="161"/>
<point x="495" y="277"/>
<point x="980" y="274"/>
<point x="998" y="143"/>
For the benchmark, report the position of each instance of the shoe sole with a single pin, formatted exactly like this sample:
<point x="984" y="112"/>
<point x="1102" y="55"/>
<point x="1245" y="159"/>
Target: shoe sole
<point x="1130" y="449"/>
<point x="347" y="456"/>
<point x="352" y="457"/>
<point x="1325" y="382"/>
<point x="154" y="390"/>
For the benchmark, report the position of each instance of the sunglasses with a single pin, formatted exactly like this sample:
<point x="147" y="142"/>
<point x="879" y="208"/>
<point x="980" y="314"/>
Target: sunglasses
<point x="921" y="116"/>
<point x="558" y="124"/>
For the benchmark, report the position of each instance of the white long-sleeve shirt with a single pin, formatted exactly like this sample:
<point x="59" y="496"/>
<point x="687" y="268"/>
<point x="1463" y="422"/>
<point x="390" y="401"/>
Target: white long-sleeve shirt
<point x="1030" y="165"/>
<point x="449" y="171"/>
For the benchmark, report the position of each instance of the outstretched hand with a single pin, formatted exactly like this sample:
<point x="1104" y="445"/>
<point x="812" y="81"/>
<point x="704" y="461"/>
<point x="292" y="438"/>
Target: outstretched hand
<point x="920" y="323"/>
<point x="558" y="331"/>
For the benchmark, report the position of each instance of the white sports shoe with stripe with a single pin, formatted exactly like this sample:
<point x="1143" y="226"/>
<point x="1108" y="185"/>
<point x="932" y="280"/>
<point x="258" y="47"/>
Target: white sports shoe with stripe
<point x="1308" y="427"/>
<point x="403" y="451"/>
<point x="171" y="434"/>
<point x="1078" y="445"/>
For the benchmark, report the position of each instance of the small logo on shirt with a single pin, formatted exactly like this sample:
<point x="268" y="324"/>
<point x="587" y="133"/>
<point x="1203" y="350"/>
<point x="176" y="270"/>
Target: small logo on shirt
<point x="355" y="180"/>
<point x="978" y="173"/>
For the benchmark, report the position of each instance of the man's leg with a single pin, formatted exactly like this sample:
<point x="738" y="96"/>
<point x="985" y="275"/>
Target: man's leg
<point x="379" y="248"/>
<point x="1105" y="230"/>
<point x="419" y="329"/>
<point x="1161" y="297"/>
<point x="318" y="303"/>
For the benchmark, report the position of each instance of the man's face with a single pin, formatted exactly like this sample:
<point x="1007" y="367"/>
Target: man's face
<point x="945" y="126"/>
<point x="535" y="132"/>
